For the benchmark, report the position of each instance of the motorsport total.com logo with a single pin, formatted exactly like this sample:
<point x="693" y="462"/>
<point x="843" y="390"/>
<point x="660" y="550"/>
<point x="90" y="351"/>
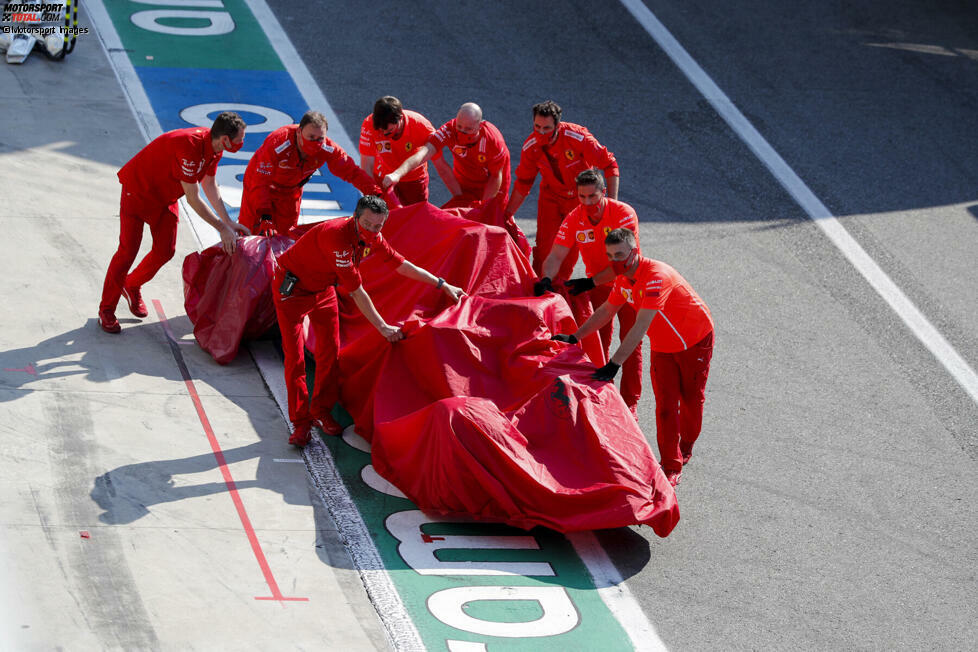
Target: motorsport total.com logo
<point x="30" y="18"/>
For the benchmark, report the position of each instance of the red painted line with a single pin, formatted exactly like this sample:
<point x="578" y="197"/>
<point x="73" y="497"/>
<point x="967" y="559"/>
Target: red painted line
<point x="29" y="369"/>
<point x="222" y="464"/>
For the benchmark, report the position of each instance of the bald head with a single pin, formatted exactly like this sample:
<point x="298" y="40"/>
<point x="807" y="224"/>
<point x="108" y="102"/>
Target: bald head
<point x="468" y="121"/>
<point x="469" y="112"/>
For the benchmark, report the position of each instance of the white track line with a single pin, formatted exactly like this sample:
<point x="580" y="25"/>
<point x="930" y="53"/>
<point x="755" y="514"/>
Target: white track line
<point x="915" y="320"/>
<point x="353" y="531"/>
<point x="616" y="594"/>
<point x="300" y="74"/>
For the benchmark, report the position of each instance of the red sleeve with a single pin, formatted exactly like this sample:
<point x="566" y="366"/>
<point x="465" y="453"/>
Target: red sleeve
<point x="565" y="234"/>
<point x="421" y="133"/>
<point x="185" y="160"/>
<point x="629" y="220"/>
<point x="212" y="168"/>
<point x="340" y="257"/>
<point x="263" y="165"/>
<point x="526" y="171"/>
<point x="344" y="167"/>
<point x="389" y="253"/>
<point x="617" y="296"/>
<point x="367" y="138"/>
<point x="657" y="289"/>
<point x="439" y="138"/>
<point x="599" y="156"/>
<point x="498" y="151"/>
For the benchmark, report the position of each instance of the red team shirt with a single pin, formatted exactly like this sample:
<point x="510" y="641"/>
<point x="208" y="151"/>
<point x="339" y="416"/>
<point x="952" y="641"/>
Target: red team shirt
<point x="155" y="173"/>
<point x="577" y="230"/>
<point x="277" y="168"/>
<point x="390" y="153"/>
<point x="473" y="164"/>
<point x="683" y="318"/>
<point x="329" y="254"/>
<point x="574" y="151"/>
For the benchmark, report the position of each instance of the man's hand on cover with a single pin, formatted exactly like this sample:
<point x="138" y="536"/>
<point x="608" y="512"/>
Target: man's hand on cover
<point x="456" y="293"/>
<point x="607" y="372"/>
<point x="391" y="333"/>
<point x="230" y="232"/>
<point x="566" y="338"/>
<point x="578" y="285"/>
<point x="543" y="285"/>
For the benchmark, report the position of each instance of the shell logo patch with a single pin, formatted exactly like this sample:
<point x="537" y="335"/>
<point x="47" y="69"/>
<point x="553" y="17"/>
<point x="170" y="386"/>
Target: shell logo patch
<point x="384" y="146"/>
<point x="628" y="294"/>
<point x="585" y="236"/>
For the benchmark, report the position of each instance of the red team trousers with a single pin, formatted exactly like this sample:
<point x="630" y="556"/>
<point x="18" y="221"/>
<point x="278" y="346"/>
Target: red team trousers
<point x="631" y="371"/>
<point x="412" y="192"/>
<point x="324" y="322"/>
<point x="133" y="215"/>
<point x="552" y="208"/>
<point x="679" y="383"/>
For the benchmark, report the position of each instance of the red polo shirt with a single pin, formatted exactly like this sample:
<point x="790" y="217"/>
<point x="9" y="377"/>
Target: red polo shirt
<point x="329" y="254"/>
<point x="578" y="230"/>
<point x="473" y="164"/>
<point x="683" y="318"/>
<point x="277" y="167"/>
<point x="574" y="151"/>
<point x="155" y="172"/>
<point x="390" y="152"/>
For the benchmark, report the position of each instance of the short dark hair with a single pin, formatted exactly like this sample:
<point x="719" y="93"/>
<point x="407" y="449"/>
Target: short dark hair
<point x="548" y="109"/>
<point x="227" y="124"/>
<point x="387" y="111"/>
<point x="372" y="203"/>
<point x="314" y="117"/>
<point x="617" y="236"/>
<point x="591" y="177"/>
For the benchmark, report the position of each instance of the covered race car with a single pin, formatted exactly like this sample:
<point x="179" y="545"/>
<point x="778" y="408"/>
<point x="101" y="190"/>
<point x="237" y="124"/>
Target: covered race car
<point x="477" y="411"/>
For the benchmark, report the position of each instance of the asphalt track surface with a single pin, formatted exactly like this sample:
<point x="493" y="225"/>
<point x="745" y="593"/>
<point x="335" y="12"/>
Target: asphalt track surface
<point x="830" y="501"/>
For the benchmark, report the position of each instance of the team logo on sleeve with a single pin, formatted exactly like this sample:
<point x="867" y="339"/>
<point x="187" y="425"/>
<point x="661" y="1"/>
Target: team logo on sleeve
<point x="585" y="236"/>
<point x="482" y="158"/>
<point x="190" y="167"/>
<point x="627" y="293"/>
<point x="459" y="151"/>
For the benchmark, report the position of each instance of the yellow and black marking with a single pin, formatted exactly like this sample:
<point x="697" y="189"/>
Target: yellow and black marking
<point x="71" y="26"/>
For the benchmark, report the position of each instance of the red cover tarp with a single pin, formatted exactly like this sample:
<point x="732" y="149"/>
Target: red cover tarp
<point x="229" y="298"/>
<point x="478" y="412"/>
